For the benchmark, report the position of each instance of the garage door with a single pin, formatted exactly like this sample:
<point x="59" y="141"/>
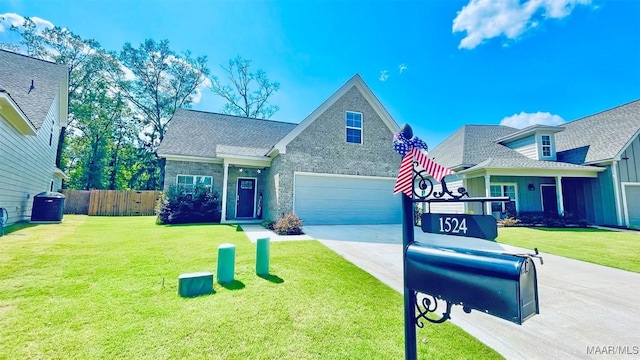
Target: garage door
<point x="632" y="194"/>
<point x="329" y="200"/>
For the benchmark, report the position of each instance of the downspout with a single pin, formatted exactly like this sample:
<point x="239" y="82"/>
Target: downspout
<point x="616" y="192"/>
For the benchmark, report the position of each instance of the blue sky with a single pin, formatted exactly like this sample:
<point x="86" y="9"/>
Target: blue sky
<point x="433" y="64"/>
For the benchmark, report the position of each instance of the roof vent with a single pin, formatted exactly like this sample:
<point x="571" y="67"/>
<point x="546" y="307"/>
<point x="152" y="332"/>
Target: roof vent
<point x="32" y="87"/>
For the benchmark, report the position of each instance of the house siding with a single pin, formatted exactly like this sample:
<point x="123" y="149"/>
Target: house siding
<point x="629" y="165"/>
<point x="591" y="199"/>
<point x="526" y="146"/>
<point x="27" y="163"/>
<point x="322" y="148"/>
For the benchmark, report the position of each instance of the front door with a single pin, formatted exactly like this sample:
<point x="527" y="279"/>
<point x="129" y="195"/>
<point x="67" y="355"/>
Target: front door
<point x="549" y="200"/>
<point x="246" y="198"/>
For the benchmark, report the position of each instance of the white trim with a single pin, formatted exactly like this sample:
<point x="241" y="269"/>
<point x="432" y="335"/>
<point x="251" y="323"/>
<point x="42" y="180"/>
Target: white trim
<point x="559" y="195"/>
<point x="616" y="192"/>
<point x="343" y="175"/>
<point x="255" y="195"/>
<point x="356" y="81"/>
<point x="487" y="193"/>
<point x="347" y="127"/>
<point x="191" y="158"/>
<point x="245" y="160"/>
<point x="225" y="179"/>
<point x="59" y="173"/>
<point x="624" y="200"/>
<point x="194" y="179"/>
<point x="589" y="173"/>
<point x="24" y="125"/>
<point x="515" y="190"/>
<point x="542" y="146"/>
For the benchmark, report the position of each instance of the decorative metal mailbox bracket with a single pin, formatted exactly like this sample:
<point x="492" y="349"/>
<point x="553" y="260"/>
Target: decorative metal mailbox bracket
<point x="420" y="307"/>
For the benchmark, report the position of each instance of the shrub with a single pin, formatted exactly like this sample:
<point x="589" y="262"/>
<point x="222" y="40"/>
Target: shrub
<point x="179" y="207"/>
<point x="417" y="215"/>
<point x="289" y="224"/>
<point x="268" y="224"/>
<point x="509" y="222"/>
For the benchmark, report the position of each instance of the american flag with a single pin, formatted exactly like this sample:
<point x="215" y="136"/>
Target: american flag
<point x="404" y="182"/>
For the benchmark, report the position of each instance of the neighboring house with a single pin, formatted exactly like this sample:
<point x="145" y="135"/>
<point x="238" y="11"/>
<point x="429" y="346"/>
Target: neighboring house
<point x="337" y="166"/>
<point x="33" y="109"/>
<point x="587" y="169"/>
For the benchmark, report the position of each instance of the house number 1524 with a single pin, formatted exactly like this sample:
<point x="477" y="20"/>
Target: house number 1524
<point x="453" y="225"/>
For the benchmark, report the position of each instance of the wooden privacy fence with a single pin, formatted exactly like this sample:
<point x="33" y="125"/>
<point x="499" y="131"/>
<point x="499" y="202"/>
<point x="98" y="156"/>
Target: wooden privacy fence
<point x="111" y="202"/>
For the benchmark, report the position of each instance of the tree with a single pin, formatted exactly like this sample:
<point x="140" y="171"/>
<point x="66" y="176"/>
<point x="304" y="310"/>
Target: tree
<point x="163" y="82"/>
<point x="98" y="114"/>
<point x="248" y="93"/>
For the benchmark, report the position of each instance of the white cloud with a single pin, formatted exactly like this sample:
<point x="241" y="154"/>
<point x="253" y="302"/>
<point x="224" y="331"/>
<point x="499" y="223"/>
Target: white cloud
<point x="402" y="67"/>
<point x="522" y="120"/>
<point x="487" y="19"/>
<point x="384" y="75"/>
<point x="12" y="19"/>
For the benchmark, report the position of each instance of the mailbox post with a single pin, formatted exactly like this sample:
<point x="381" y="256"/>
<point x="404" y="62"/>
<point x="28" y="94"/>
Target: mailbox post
<point x="497" y="283"/>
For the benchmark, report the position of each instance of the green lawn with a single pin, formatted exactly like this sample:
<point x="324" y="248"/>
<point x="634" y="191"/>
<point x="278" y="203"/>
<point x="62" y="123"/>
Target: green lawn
<point x="102" y="287"/>
<point x="616" y="249"/>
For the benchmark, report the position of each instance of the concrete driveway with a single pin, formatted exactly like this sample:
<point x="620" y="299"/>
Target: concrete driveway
<point x="582" y="305"/>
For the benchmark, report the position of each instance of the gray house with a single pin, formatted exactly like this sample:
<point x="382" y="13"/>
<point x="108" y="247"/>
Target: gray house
<point x="337" y="166"/>
<point x="588" y="168"/>
<point x="33" y="109"/>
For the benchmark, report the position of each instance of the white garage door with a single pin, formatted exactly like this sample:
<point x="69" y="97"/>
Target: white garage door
<point x="329" y="200"/>
<point x="632" y="197"/>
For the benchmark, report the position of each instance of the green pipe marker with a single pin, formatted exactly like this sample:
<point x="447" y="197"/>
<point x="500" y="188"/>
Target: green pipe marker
<point x="262" y="256"/>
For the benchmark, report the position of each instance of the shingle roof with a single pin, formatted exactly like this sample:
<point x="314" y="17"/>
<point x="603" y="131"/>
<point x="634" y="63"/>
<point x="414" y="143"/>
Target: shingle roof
<point x="475" y="147"/>
<point x="204" y="134"/>
<point x="17" y="73"/>
<point x="472" y="144"/>
<point x="599" y="137"/>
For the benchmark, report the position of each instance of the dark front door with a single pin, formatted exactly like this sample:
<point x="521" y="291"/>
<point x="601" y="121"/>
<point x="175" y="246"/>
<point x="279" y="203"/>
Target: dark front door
<point x="549" y="200"/>
<point x="246" y="197"/>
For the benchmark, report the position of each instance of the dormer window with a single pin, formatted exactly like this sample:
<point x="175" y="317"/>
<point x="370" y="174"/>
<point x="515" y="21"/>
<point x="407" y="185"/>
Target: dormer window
<point x="546" y="145"/>
<point x="354" y="127"/>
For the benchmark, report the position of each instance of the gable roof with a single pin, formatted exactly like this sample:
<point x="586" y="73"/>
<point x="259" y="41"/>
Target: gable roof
<point x="207" y="135"/>
<point x="17" y="75"/>
<point x="356" y="81"/>
<point x="599" y="137"/>
<point x="475" y="147"/>
<point x="473" y="144"/>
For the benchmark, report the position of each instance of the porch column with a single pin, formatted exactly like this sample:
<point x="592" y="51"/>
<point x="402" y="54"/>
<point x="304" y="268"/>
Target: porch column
<point x="487" y="192"/>
<point x="559" y="195"/>
<point x="616" y="193"/>
<point x="225" y="177"/>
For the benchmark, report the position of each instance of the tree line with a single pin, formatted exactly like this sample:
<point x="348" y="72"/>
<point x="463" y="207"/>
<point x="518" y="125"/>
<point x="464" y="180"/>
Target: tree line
<point x="121" y="102"/>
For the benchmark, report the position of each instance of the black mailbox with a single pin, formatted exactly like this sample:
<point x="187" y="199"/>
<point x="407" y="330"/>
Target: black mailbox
<point x="503" y="285"/>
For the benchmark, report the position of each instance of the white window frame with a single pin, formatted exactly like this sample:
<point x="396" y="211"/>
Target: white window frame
<point x="347" y="127"/>
<point x="503" y="205"/>
<point x="194" y="182"/>
<point x="543" y="146"/>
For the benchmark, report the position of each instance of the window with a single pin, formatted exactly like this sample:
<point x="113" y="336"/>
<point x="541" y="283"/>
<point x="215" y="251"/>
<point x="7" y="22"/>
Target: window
<point x="546" y="145"/>
<point x="188" y="182"/>
<point x="354" y="127"/>
<point x="502" y="190"/>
